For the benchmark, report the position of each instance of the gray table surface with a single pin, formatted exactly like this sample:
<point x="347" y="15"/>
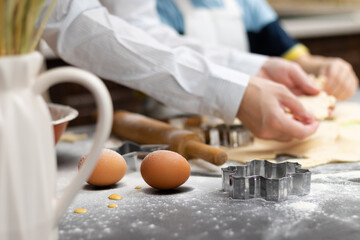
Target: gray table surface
<point x="199" y="210"/>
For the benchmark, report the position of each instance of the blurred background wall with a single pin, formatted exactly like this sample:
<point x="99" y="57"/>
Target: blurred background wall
<point x="326" y="27"/>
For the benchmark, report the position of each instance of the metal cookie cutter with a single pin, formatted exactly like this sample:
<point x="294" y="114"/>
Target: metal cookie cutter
<point x="235" y="135"/>
<point x="263" y="179"/>
<point x="131" y="152"/>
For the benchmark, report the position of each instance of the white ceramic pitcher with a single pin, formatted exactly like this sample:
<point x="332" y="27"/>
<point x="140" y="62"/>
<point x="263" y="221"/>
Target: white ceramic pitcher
<point x="29" y="208"/>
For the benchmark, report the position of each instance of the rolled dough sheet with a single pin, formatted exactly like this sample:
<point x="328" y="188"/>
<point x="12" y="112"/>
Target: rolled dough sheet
<point x="346" y="112"/>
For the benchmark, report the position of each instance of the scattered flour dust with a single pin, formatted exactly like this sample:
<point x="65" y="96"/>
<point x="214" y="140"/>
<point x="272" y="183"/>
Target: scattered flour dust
<point x="334" y="177"/>
<point x="303" y="206"/>
<point x="331" y="198"/>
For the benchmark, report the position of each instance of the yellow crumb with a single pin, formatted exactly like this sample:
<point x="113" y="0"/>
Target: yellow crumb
<point x="115" y="197"/>
<point x="80" y="210"/>
<point x="137" y="187"/>
<point x="112" y="205"/>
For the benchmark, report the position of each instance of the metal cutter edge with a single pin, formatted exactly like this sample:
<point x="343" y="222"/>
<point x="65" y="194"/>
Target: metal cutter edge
<point x="267" y="180"/>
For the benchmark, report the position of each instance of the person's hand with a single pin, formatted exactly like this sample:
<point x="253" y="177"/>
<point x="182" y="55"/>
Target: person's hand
<point x="341" y="80"/>
<point x="262" y="111"/>
<point x="289" y="74"/>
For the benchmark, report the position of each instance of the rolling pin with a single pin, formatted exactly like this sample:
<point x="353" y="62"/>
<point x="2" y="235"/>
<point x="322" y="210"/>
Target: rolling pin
<point x="144" y="130"/>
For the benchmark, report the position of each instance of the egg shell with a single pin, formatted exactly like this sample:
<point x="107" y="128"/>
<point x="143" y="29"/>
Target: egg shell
<point x="165" y="169"/>
<point x="110" y="168"/>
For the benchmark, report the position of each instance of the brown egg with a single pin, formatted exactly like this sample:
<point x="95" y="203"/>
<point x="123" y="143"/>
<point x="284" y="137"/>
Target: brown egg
<point x="110" y="168"/>
<point x="164" y="169"/>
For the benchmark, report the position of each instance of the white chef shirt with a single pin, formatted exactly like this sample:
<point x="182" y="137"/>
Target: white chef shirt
<point x="149" y="56"/>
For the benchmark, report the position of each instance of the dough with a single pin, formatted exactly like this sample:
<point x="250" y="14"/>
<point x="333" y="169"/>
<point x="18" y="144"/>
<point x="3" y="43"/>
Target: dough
<point x="320" y="105"/>
<point x="318" y="81"/>
<point x="346" y="112"/>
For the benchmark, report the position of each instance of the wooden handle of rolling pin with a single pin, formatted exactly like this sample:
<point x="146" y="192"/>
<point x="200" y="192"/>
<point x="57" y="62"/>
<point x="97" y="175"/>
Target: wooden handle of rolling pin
<point x="213" y="155"/>
<point x="144" y="130"/>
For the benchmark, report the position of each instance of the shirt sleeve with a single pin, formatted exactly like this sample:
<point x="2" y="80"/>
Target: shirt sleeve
<point x="85" y="34"/>
<point x="271" y="40"/>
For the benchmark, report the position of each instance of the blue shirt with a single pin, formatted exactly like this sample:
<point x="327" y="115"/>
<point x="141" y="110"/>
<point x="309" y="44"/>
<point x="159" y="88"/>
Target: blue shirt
<point x="261" y="22"/>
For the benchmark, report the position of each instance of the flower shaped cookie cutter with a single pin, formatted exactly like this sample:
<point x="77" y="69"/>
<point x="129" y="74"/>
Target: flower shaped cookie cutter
<point x="267" y="180"/>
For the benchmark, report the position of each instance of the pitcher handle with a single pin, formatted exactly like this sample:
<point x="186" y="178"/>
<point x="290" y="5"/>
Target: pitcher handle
<point x="103" y="127"/>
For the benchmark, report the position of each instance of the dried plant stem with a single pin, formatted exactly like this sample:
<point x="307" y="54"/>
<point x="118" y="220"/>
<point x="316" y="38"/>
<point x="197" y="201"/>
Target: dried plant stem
<point x="9" y="14"/>
<point x="29" y="23"/>
<point x="18" y="24"/>
<point x="19" y="19"/>
<point x="42" y="25"/>
<point x="2" y="28"/>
